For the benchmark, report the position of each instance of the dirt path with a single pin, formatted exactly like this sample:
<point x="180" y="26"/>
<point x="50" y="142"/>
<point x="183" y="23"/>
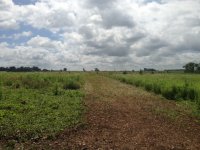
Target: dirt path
<point x="120" y="116"/>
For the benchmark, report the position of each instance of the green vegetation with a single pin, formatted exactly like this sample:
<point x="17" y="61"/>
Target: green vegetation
<point x="192" y="67"/>
<point x="35" y="105"/>
<point x="171" y="86"/>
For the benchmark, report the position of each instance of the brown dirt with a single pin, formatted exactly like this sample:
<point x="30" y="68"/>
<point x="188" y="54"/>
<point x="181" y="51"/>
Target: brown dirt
<point x="120" y="116"/>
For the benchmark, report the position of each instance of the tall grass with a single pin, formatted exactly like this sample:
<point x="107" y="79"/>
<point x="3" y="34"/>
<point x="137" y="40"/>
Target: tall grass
<point x="171" y="86"/>
<point x="1" y="91"/>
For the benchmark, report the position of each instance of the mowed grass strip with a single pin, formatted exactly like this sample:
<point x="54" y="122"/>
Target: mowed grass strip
<point x="180" y="87"/>
<point x="38" y="105"/>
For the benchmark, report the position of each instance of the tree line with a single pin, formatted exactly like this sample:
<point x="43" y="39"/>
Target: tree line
<point x="21" y="69"/>
<point x="192" y="67"/>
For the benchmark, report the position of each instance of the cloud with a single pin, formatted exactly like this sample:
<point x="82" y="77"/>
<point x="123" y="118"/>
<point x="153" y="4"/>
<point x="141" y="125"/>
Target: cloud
<point x="38" y="52"/>
<point x="188" y="43"/>
<point x="121" y="19"/>
<point x="100" y="4"/>
<point x="149" y="46"/>
<point x="104" y="33"/>
<point x="8" y="17"/>
<point x="46" y="43"/>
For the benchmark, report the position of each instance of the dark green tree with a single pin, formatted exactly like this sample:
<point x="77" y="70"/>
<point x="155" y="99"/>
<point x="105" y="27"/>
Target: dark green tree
<point x="190" y="67"/>
<point x="96" y="70"/>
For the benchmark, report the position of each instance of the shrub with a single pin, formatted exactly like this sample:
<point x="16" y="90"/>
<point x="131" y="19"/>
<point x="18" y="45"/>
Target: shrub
<point x="192" y="94"/>
<point x="8" y="82"/>
<point x="148" y="87"/>
<point x="125" y="72"/>
<point x="140" y="72"/>
<point x="1" y="93"/>
<point x="189" y="93"/>
<point x="34" y="82"/>
<point x="169" y="93"/>
<point x="16" y="85"/>
<point x="156" y="89"/>
<point x="198" y="105"/>
<point x="137" y="83"/>
<point x="56" y="90"/>
<point x="123" y="80"/>
<point x="71" y="85"/>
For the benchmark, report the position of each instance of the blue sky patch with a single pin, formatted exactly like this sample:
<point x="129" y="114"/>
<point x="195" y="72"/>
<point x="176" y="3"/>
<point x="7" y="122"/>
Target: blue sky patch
<point x="8" y="35"/>
<point x="24" y="2"/>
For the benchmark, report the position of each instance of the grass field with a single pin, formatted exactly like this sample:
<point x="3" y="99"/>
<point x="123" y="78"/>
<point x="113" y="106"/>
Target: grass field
<point x="38" y="105"/>
<point x="61" y="110"/>
<point x="179" y="87"/>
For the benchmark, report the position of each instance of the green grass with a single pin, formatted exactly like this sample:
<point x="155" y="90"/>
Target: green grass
<point x="35" y="105"/>
<point x="179" y="87"/>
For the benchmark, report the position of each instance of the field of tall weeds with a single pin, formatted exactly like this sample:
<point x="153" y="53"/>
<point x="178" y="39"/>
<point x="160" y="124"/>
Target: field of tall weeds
<point x="179" y="87"/>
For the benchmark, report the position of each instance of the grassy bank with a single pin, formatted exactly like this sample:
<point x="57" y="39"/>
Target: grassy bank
<point x="179" y="87"/>
<point x="35" y="105"/>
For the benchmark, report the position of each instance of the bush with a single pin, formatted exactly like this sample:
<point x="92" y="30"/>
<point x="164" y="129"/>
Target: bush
<point x="189" y="93"/>
<point x="148" y="87"/>
<point x="125" y="72"/>
<point x="34" y="82"/>
<point x="71" y="85"/>
<point x="16" y="85"/>
<point x="56" y="90"/>
<point x="1" y="93"/>
<point x="8" y="82"/>
<point x="137" y="83"/>
<point x="169" y="94"/>
<point x="156" y="89"/>
<point x="123" y="80"/>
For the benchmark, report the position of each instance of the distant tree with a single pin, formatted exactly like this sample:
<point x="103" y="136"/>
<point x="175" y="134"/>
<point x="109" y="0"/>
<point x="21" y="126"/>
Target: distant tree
<point x="149" y="69"/>
<point x="34" y="68"/>
<point x="190" y="67"/>
<point x="20" y="69"/>
<point x="198" y="68"/>
<point x="13" y="68"/>
<point x="45" y="70"/>
<point x="65" y="69"/>
<point x="96" y="70"/>
<point x="84" y="70"/>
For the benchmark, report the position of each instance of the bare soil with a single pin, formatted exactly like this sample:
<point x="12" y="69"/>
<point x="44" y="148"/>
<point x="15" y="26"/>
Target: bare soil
<point x="120" y="116"/>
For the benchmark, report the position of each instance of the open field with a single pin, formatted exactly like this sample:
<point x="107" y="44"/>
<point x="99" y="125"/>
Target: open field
<point x="91" y="111"/>
<point x="38" y="105"/>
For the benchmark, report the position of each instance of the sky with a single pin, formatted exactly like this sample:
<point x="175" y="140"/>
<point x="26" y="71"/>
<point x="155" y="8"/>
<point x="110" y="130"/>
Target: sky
<point x="104" y="34"/>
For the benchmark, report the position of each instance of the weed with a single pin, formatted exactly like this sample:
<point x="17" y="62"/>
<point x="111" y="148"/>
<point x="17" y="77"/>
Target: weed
<point x="10" y="144"/>
<point x="1" y="92"/>
<point x="8" y="82"/>
<point x="148" y="87"/>
<point x="156" y="89"/>
<point x="125" y="72"/>
<point x="56" y="90"/>
<point x="137" y="83"/>
<point x="71" y="85"/>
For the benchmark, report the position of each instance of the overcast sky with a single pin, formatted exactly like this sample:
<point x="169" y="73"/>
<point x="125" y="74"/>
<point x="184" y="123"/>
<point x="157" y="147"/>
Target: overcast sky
<point x="108" y="34"/>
